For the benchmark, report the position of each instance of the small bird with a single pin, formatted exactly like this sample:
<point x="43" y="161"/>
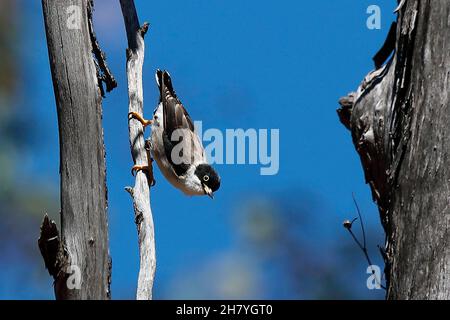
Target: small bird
<point x="175" y="146"/>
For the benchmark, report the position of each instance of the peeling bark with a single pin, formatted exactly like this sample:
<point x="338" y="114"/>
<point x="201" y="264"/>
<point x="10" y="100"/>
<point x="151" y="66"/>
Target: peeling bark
<point x="104" y="74"/>
<point x="399" y="119"/>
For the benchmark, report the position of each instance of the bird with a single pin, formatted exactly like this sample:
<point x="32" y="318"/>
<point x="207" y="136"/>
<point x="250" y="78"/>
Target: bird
<point x="175" y="145"/>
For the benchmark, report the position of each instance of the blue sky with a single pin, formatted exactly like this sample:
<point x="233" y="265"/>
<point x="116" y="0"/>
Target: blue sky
<point x="235" y="64"/>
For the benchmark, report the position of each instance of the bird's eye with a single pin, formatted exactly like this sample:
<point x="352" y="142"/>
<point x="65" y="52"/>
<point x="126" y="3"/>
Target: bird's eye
<point x="206" y="178"/>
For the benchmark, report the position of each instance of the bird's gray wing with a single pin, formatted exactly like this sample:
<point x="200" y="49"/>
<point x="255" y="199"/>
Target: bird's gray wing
<point x="175" y="116"/>
<point x="183" y="150"/>
<point x="181" y="144"/>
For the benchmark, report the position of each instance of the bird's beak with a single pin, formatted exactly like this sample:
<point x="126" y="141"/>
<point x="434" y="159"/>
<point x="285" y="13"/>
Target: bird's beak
<point x="208" y="191"/>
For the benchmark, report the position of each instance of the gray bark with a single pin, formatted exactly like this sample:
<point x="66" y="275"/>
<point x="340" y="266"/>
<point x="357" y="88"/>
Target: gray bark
<point x="140" y="193"/>
<point x="400" y="124"/>
<point x="81" y="251"/>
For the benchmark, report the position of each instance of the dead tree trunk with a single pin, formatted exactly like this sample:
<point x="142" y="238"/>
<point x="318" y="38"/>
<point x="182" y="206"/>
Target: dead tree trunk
<point x="140" y="152"/>
<point x="400" y="124"/>
<point x="79" y="259"/>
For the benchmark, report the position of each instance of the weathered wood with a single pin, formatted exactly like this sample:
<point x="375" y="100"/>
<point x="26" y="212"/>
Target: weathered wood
<point x="400" y="123"/>
<point x="388" y="47"/>
<point x="83" y="245"/>
<point x="104" y="74"/>
<point x="140" y="193"/>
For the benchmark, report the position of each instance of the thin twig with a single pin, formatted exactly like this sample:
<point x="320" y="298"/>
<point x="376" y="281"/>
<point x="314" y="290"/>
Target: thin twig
<point x="363" y="246"/>
<point x="360" y="219"/>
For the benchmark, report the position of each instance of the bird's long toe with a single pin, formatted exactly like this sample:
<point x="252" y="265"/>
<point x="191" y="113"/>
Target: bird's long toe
<point x="140" y="118"/>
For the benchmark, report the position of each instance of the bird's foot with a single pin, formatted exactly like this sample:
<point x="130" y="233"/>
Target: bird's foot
<point x="138" y="117"/>
<point x="148" y="147"/>
<point x="147" y="169"/>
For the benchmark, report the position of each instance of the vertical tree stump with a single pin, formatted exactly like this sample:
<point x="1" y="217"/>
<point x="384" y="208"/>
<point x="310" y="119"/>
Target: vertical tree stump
<point x="400" y="124"/>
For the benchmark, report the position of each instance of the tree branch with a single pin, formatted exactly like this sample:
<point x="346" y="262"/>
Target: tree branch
<point x="140" y="193"/>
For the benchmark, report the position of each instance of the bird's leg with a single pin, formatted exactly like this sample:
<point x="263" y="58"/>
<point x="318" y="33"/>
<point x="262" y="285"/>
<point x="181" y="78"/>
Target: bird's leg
<point x="138" y="117"/>
<point x="147" y="169"/>
<point x="148" y="146"/>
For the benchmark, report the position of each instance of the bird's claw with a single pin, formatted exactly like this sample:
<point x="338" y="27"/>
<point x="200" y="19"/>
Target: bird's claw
<point x="147" y="169"/>
<point x="148" y="146"/>
<point x="135" y="169"/>
<point x="138" y="117"/>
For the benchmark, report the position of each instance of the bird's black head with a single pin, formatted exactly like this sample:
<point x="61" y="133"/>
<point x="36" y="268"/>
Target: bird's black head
<point x="209" y="178"/>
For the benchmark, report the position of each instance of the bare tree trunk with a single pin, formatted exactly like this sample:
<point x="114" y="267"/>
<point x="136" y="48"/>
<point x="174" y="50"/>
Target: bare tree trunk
<point x="79" y="260"/>
<point x="400" y="123"/>
<point x="140" y="193"/>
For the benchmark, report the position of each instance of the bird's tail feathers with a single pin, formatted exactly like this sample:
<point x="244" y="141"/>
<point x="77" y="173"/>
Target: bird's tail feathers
<point x="164" y="82"/>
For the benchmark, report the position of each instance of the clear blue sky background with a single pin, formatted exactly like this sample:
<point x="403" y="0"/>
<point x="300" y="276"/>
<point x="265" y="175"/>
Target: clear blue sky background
<point x="235" y="64"/>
